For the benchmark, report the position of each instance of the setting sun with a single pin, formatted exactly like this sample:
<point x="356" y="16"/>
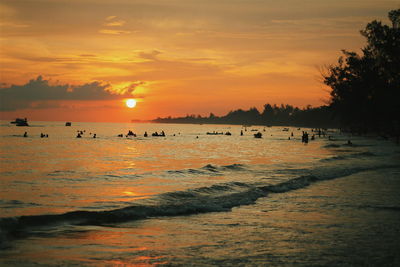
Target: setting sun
<point x="130" y="103"/>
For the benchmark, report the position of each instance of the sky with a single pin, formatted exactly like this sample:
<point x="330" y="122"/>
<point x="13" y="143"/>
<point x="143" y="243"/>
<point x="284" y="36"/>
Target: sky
<point x="79" y="60"/>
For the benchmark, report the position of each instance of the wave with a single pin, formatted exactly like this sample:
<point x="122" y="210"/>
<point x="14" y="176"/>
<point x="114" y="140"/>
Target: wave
<point x="215" y="198"/>
<point x="209" y="169"/>
<point x="232" y="167"/>
<point x="60" y="172"/>
<point x="380" y="207"/>
<point x="350" y="156"/>
<point x="331" y="146"/>
<point x="345" y="145"/>
<point x="14" y="203"/>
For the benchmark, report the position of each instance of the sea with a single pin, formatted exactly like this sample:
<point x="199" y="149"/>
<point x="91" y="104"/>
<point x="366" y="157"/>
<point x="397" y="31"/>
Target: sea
<point x="195" y="199"/>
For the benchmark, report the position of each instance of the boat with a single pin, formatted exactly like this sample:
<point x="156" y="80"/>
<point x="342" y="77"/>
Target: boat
<point x="68" y="123"/>
<point x="20" y="122"/>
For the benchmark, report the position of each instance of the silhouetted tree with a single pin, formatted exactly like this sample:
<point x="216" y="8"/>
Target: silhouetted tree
<point x="268" y="114"/>
<point x="366" y="88"/>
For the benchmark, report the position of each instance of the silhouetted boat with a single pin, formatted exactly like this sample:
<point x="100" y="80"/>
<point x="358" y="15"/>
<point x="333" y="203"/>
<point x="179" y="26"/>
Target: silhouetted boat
<point x="68" y="123"/>
<point x="20" y="122"/>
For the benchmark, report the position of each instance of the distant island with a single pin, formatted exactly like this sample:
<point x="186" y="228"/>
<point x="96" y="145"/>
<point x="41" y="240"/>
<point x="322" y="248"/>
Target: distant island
<point x="272" y="115"/>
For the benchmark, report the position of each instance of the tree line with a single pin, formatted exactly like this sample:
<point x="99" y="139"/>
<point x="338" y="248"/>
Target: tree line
<point x="272" y="115"/>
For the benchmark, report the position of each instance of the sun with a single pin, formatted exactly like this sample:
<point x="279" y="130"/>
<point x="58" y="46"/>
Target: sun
<point x="130" y="103"/>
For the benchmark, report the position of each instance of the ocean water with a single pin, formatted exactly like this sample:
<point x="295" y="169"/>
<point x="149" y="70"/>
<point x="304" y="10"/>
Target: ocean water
<point x="192" y="199"/>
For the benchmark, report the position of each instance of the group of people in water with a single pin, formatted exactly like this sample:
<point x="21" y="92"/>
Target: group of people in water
<point x="132" y="134"/>
<point x="80" y="134"/>
<point x="304" y="138"/>
<point x="42" y="135"/>
<point x="305" y="135"/>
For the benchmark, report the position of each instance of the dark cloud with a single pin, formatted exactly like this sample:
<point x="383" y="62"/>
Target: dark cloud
<point x="38" y="90"/>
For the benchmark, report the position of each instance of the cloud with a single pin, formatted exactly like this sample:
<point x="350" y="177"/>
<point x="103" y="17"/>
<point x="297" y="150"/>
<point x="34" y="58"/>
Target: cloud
<point x="13" y="25"/>
<point x="132" y="86"/>
<point x="87" y="55"/>
<point x="114" y="32"/>
<point x="115" y="23"/>
<point x="34" y="93"/>
<point x="110" y="18"/>
<point x="151" y="56"/>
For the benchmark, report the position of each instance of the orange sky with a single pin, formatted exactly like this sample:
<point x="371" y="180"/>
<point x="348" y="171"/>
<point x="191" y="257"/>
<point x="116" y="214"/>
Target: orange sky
<point x="176" y="57"/>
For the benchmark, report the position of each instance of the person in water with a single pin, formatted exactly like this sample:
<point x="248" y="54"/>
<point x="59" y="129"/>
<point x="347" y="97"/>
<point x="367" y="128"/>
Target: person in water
<point x="304" y="138"/>
<point x="349" y="143"/>
<point x="26" y="134"/>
